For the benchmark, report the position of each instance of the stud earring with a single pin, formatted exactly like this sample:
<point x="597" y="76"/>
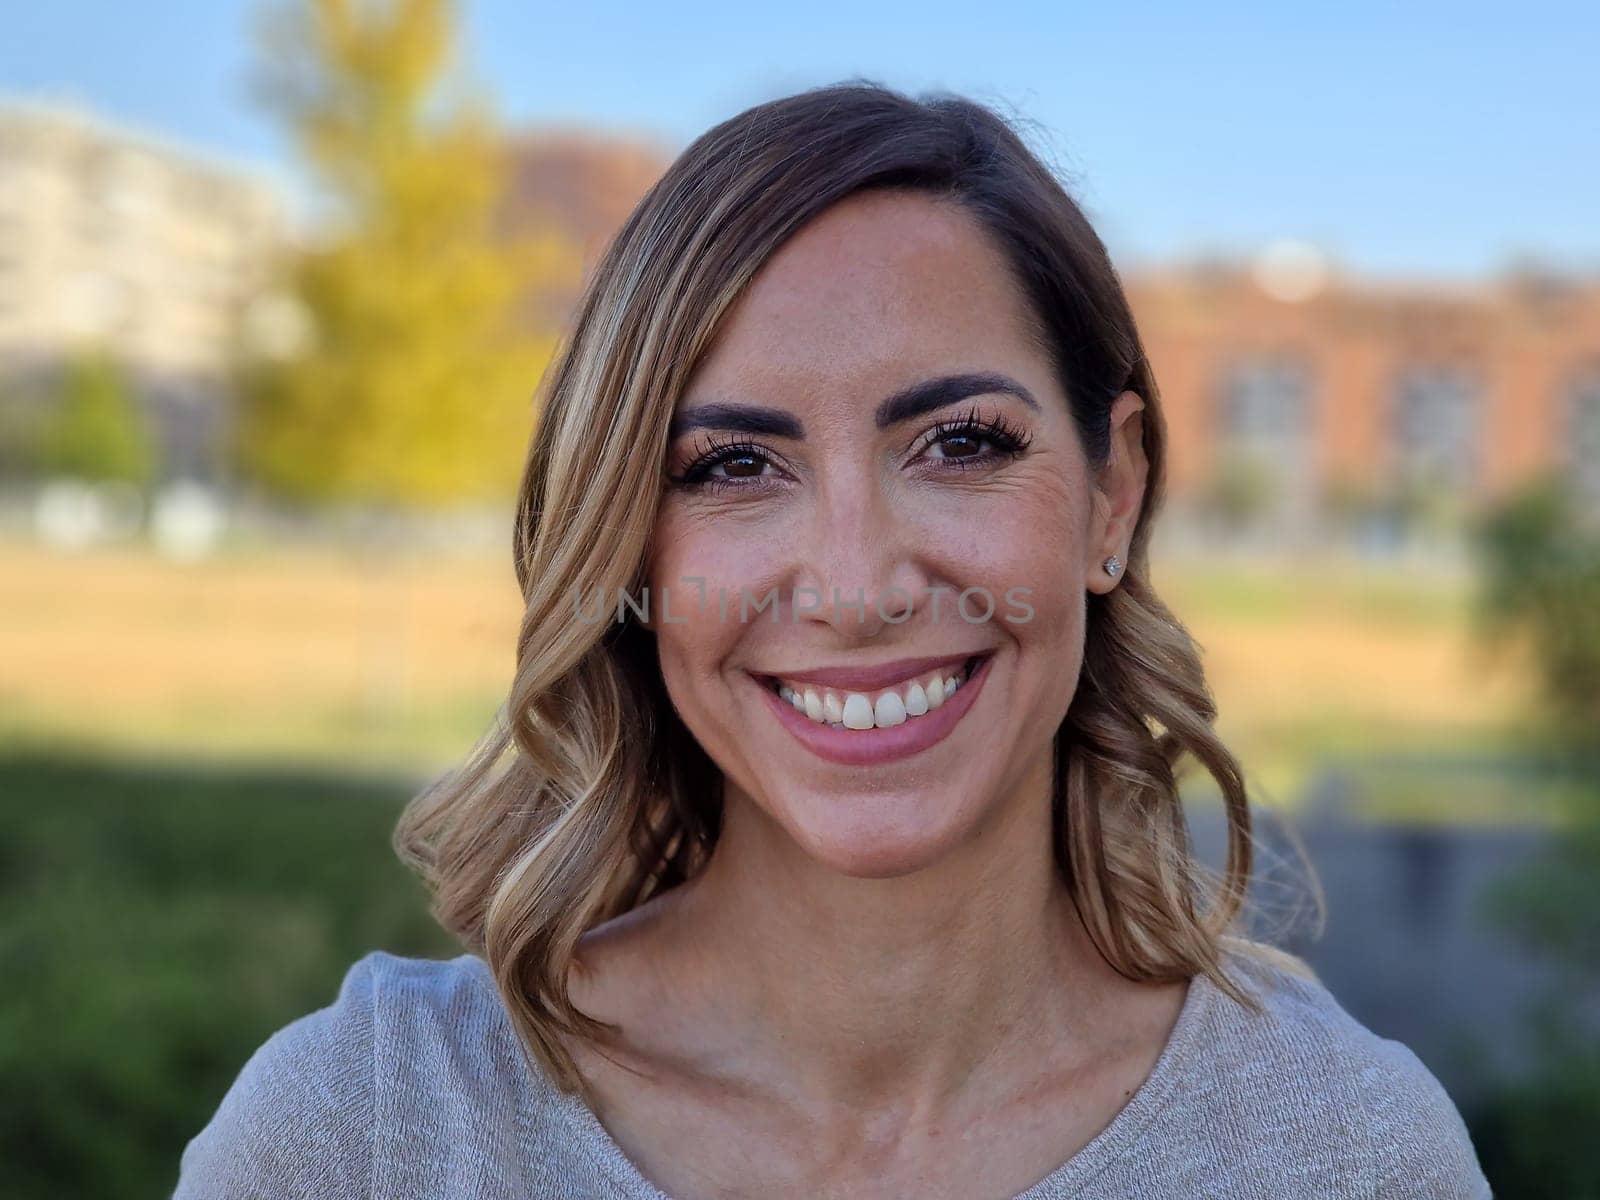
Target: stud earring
<point x="1112" y="566"/>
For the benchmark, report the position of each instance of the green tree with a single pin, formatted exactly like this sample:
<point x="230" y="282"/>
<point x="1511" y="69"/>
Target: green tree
<point x="1540" y="585"/>
<point x="97" y="432"/>
<point x="416" y="386"/>
<point x="1540" y="588"/>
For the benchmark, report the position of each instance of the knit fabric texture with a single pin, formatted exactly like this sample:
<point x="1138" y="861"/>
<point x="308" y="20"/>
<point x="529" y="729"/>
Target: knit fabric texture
<point x="412" y="1084"/>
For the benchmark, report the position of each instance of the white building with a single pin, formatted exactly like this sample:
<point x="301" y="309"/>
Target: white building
<point x="114" y="238"/>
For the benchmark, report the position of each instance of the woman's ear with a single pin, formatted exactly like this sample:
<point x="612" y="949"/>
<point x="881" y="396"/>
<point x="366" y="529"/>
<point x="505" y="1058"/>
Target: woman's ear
<point x="1118" y="492"/>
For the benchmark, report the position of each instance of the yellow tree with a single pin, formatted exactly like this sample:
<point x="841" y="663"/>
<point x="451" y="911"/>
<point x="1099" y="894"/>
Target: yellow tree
<point x="414" y="385"/>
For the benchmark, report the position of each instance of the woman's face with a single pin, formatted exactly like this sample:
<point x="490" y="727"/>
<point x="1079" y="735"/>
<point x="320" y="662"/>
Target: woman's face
<point x="874" y="488"/>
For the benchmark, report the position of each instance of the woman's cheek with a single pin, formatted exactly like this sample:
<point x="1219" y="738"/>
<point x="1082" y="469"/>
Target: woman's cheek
<point x="701" y="573"/>
<point x="704" y="582"/>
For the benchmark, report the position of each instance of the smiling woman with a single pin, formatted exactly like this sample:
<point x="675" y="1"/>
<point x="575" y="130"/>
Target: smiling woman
<point x="849" y="859"/>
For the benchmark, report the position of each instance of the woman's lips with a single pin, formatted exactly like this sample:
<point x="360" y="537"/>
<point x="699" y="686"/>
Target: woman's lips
<point x="865" y="679"/>
<point x="867" y="747"/>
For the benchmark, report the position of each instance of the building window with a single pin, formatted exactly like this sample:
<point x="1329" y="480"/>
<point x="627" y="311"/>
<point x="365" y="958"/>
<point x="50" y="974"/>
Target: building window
<point x="1264" y="431"/>
<point x="1435" y="425"/>
<point x="1266" y="405"/>
<point x="1581" y="443"/>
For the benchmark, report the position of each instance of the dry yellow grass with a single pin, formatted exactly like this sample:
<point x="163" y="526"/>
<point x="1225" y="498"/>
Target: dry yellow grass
<point x="293" y="650"/>
<point x="304" y="653"/>
<point x="1342" y="659"/>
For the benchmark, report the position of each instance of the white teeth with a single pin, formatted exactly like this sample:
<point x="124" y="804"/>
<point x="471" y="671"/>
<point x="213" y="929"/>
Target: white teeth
<point x="889" y="711"/>
<point x="858" y="710"/>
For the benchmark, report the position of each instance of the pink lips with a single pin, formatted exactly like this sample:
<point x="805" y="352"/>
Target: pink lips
<point x="869" y="747"/>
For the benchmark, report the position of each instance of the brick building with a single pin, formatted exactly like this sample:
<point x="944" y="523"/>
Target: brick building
<point x="1355" y="390"/>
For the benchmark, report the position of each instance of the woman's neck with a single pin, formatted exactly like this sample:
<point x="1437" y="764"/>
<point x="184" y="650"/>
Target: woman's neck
<point x="878" y="992"/>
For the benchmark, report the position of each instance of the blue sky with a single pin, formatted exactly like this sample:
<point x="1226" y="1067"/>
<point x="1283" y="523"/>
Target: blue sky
<point x="1404" y="139"/>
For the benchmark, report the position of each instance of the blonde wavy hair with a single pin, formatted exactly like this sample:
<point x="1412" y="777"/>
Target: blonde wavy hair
<point x="588" y="795"/>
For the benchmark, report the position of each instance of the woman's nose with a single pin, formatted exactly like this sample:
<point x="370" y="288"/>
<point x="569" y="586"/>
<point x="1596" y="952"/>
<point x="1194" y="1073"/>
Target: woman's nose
<point x="859" y="565"/>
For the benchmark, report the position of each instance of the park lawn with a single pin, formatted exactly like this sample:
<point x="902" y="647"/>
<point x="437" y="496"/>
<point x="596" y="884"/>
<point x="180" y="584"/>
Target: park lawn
<point x="296" y="654"/>
<point x="1342" y="663"/>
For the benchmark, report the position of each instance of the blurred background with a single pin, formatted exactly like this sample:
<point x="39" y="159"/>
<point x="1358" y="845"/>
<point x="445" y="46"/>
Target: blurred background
<point x="278" y="279"/>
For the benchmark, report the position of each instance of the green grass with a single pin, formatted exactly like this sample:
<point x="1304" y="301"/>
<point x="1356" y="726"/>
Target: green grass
<point x="318" y="731"/>
<point x="162" y="921"/>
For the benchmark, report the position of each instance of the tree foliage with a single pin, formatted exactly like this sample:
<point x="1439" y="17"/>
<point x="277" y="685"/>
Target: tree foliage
<point x="1540" y="563"/>
<point x="97" y="431"/>
<point x="415" y="386"/>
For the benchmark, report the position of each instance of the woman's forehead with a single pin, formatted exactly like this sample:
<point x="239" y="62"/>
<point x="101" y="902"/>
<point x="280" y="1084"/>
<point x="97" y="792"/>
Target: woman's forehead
<point x="871" y="286"/>
<point x="875" y="256"/>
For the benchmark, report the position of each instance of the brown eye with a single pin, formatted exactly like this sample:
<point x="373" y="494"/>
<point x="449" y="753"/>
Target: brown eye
<point x="957" y="445"/>
<point x="722" y="465"/>
<point x="973" y="440"/>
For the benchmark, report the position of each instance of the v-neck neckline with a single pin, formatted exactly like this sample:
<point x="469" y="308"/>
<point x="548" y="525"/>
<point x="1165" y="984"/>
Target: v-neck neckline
<point x="1172" y="1065"/>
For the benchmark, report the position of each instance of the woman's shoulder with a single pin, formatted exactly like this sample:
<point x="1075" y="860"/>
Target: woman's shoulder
<point x="308" y="1109"/>
<point x="1300" y="1023"/>
<point x="297" y="1119"/>
<point x="1369" y="1100"/>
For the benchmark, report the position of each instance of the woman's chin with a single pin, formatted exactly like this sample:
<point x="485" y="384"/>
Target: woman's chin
<point x="878" y="835"/>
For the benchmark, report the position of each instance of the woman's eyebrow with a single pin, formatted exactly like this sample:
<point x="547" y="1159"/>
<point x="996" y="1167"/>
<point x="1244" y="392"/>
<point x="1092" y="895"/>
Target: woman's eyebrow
<point x="909" y="402"/>
<point x="746" y="418"/>
<point x="946" y="389"/>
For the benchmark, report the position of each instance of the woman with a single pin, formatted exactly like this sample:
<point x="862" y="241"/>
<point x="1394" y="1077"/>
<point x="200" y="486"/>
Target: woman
<point x="830" y="843"/>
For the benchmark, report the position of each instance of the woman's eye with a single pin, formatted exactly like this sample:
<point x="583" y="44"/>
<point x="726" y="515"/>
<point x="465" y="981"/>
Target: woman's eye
<point x="722" y="466"/>
<point x="973" y="441"/>
<point x="957" y="445"/>
<point x="740" y="466"/>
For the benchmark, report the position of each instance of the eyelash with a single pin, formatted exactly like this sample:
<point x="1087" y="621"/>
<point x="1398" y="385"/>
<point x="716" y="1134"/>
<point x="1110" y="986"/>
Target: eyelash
<point x="1009" y="442"/>
<point x="714" y="453"/>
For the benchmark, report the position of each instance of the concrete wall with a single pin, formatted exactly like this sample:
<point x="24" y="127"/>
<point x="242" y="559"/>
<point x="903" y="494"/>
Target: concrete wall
<point x="1408" y="948"/>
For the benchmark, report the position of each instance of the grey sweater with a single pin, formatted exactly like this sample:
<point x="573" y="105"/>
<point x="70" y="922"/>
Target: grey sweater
<point x="412" y="1084"/>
